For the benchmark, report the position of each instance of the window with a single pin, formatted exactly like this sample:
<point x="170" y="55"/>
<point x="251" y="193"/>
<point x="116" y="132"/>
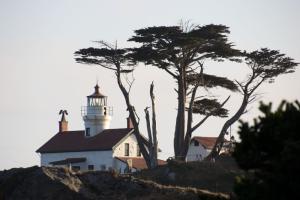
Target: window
<point x="103" y="167"/>
<point x="196" y="143"/>
<point x="90" y="167"/>
<point x="138" y="151"/>
<point x="76" y="168"/>
<point x="87" y="132"/>
<point x="126" y="149"/>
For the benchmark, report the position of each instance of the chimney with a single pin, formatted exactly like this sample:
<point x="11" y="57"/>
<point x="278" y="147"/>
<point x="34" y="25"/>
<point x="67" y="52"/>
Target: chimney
<point x="63" y="123"/>
<point x="63" y="126"/>
<point x="129" y="123"/>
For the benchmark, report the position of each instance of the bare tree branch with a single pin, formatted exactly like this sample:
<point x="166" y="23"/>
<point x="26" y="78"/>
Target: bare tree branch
<point x="150" y="146"/>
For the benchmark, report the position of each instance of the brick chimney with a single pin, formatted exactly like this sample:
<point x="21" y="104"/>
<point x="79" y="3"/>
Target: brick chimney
<point x="63" y="123"/>
<point x="63" y="126"/>
<point x="129" y="123"/>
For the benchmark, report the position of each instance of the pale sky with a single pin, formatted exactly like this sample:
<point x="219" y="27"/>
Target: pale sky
<point x="38" y="74"/>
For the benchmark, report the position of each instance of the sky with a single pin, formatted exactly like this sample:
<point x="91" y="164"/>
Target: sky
<point x="38" y="74"/>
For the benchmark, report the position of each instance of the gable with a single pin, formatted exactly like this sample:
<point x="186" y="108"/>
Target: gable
<point x="129" y="138"/>
<point x="119" y="148"/>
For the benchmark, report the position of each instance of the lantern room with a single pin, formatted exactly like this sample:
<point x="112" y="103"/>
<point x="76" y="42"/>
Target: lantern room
<point x="97" y="99"/>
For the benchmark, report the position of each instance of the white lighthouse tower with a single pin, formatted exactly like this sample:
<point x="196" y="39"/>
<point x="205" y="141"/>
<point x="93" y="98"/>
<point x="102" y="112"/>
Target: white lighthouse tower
<point x="96" y="115"/>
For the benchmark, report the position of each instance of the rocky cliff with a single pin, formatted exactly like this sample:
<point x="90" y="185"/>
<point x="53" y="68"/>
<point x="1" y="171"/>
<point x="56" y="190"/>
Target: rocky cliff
<point x="36" y="183"/>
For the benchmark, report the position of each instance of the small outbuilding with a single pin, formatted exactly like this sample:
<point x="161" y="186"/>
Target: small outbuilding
<point x="200" y="147"/>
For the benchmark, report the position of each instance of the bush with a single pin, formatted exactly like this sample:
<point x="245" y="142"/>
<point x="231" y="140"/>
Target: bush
<point x="270" y="153"/>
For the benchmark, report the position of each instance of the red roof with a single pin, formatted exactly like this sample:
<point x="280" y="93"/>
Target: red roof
<point x="139" y="162"/>
<point x="206" y="142"/>
<point x="74" y="141"/>
<point x="97" y="94"/>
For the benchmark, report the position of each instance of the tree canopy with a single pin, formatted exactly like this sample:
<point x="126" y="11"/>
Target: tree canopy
<point x="181" y="52"/>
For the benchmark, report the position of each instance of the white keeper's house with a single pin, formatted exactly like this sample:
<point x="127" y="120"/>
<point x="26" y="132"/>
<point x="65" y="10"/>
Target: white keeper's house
<point x="97" y="147"/>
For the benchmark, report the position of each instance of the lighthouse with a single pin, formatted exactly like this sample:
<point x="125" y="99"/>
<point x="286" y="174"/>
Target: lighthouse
<point x="97" y="147"/>
<point x="96" y="115"/>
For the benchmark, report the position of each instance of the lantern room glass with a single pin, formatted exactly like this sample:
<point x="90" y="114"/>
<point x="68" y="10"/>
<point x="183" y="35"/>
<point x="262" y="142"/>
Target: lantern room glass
<point x="97" y="101"/>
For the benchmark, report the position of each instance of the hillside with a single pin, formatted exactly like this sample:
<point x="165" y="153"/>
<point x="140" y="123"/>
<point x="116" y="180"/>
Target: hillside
<point x="217" y="177"/>
<point x="47" y="183"/>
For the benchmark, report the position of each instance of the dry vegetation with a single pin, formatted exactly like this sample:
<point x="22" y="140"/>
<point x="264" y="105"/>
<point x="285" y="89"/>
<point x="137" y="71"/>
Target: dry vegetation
<point x="216" y="177"/>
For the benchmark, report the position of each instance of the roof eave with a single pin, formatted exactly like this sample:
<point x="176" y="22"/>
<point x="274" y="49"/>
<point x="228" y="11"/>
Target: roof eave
<point x="62" y="151"/>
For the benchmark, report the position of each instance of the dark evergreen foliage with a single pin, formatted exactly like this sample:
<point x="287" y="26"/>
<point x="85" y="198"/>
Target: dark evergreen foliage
<point x="163" y="45"/>
<point x="211" y="81"/>
<point x="268" y="64"/>
<point x="209" y="106"/>
<point x="107" y="56"/>
<point x="270" y="152"/>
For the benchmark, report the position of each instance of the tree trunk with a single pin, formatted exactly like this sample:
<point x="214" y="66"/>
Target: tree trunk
<point x="152" y="134"/>
<point x="220" y="140"/>
<point x="133" y="118"/>
<point x="180" y="119"/>
<point x="247" y="93"/>
<point x="150" y="146"/>
<point x="154" y="130"/>
<point x="188" y="134"/>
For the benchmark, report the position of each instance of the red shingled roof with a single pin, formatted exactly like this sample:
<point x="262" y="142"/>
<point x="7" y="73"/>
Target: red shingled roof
<point x="74" y="141"/>
<point x="206" y="142"/>
<point x="139" y="162"/>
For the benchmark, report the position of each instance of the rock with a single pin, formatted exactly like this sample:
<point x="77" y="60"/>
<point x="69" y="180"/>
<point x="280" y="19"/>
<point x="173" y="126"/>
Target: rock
<point x="36" y="183"/>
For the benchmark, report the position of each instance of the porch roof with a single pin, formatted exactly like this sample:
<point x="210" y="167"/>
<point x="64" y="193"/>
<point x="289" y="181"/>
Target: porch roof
<point x="68" y="161"/>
